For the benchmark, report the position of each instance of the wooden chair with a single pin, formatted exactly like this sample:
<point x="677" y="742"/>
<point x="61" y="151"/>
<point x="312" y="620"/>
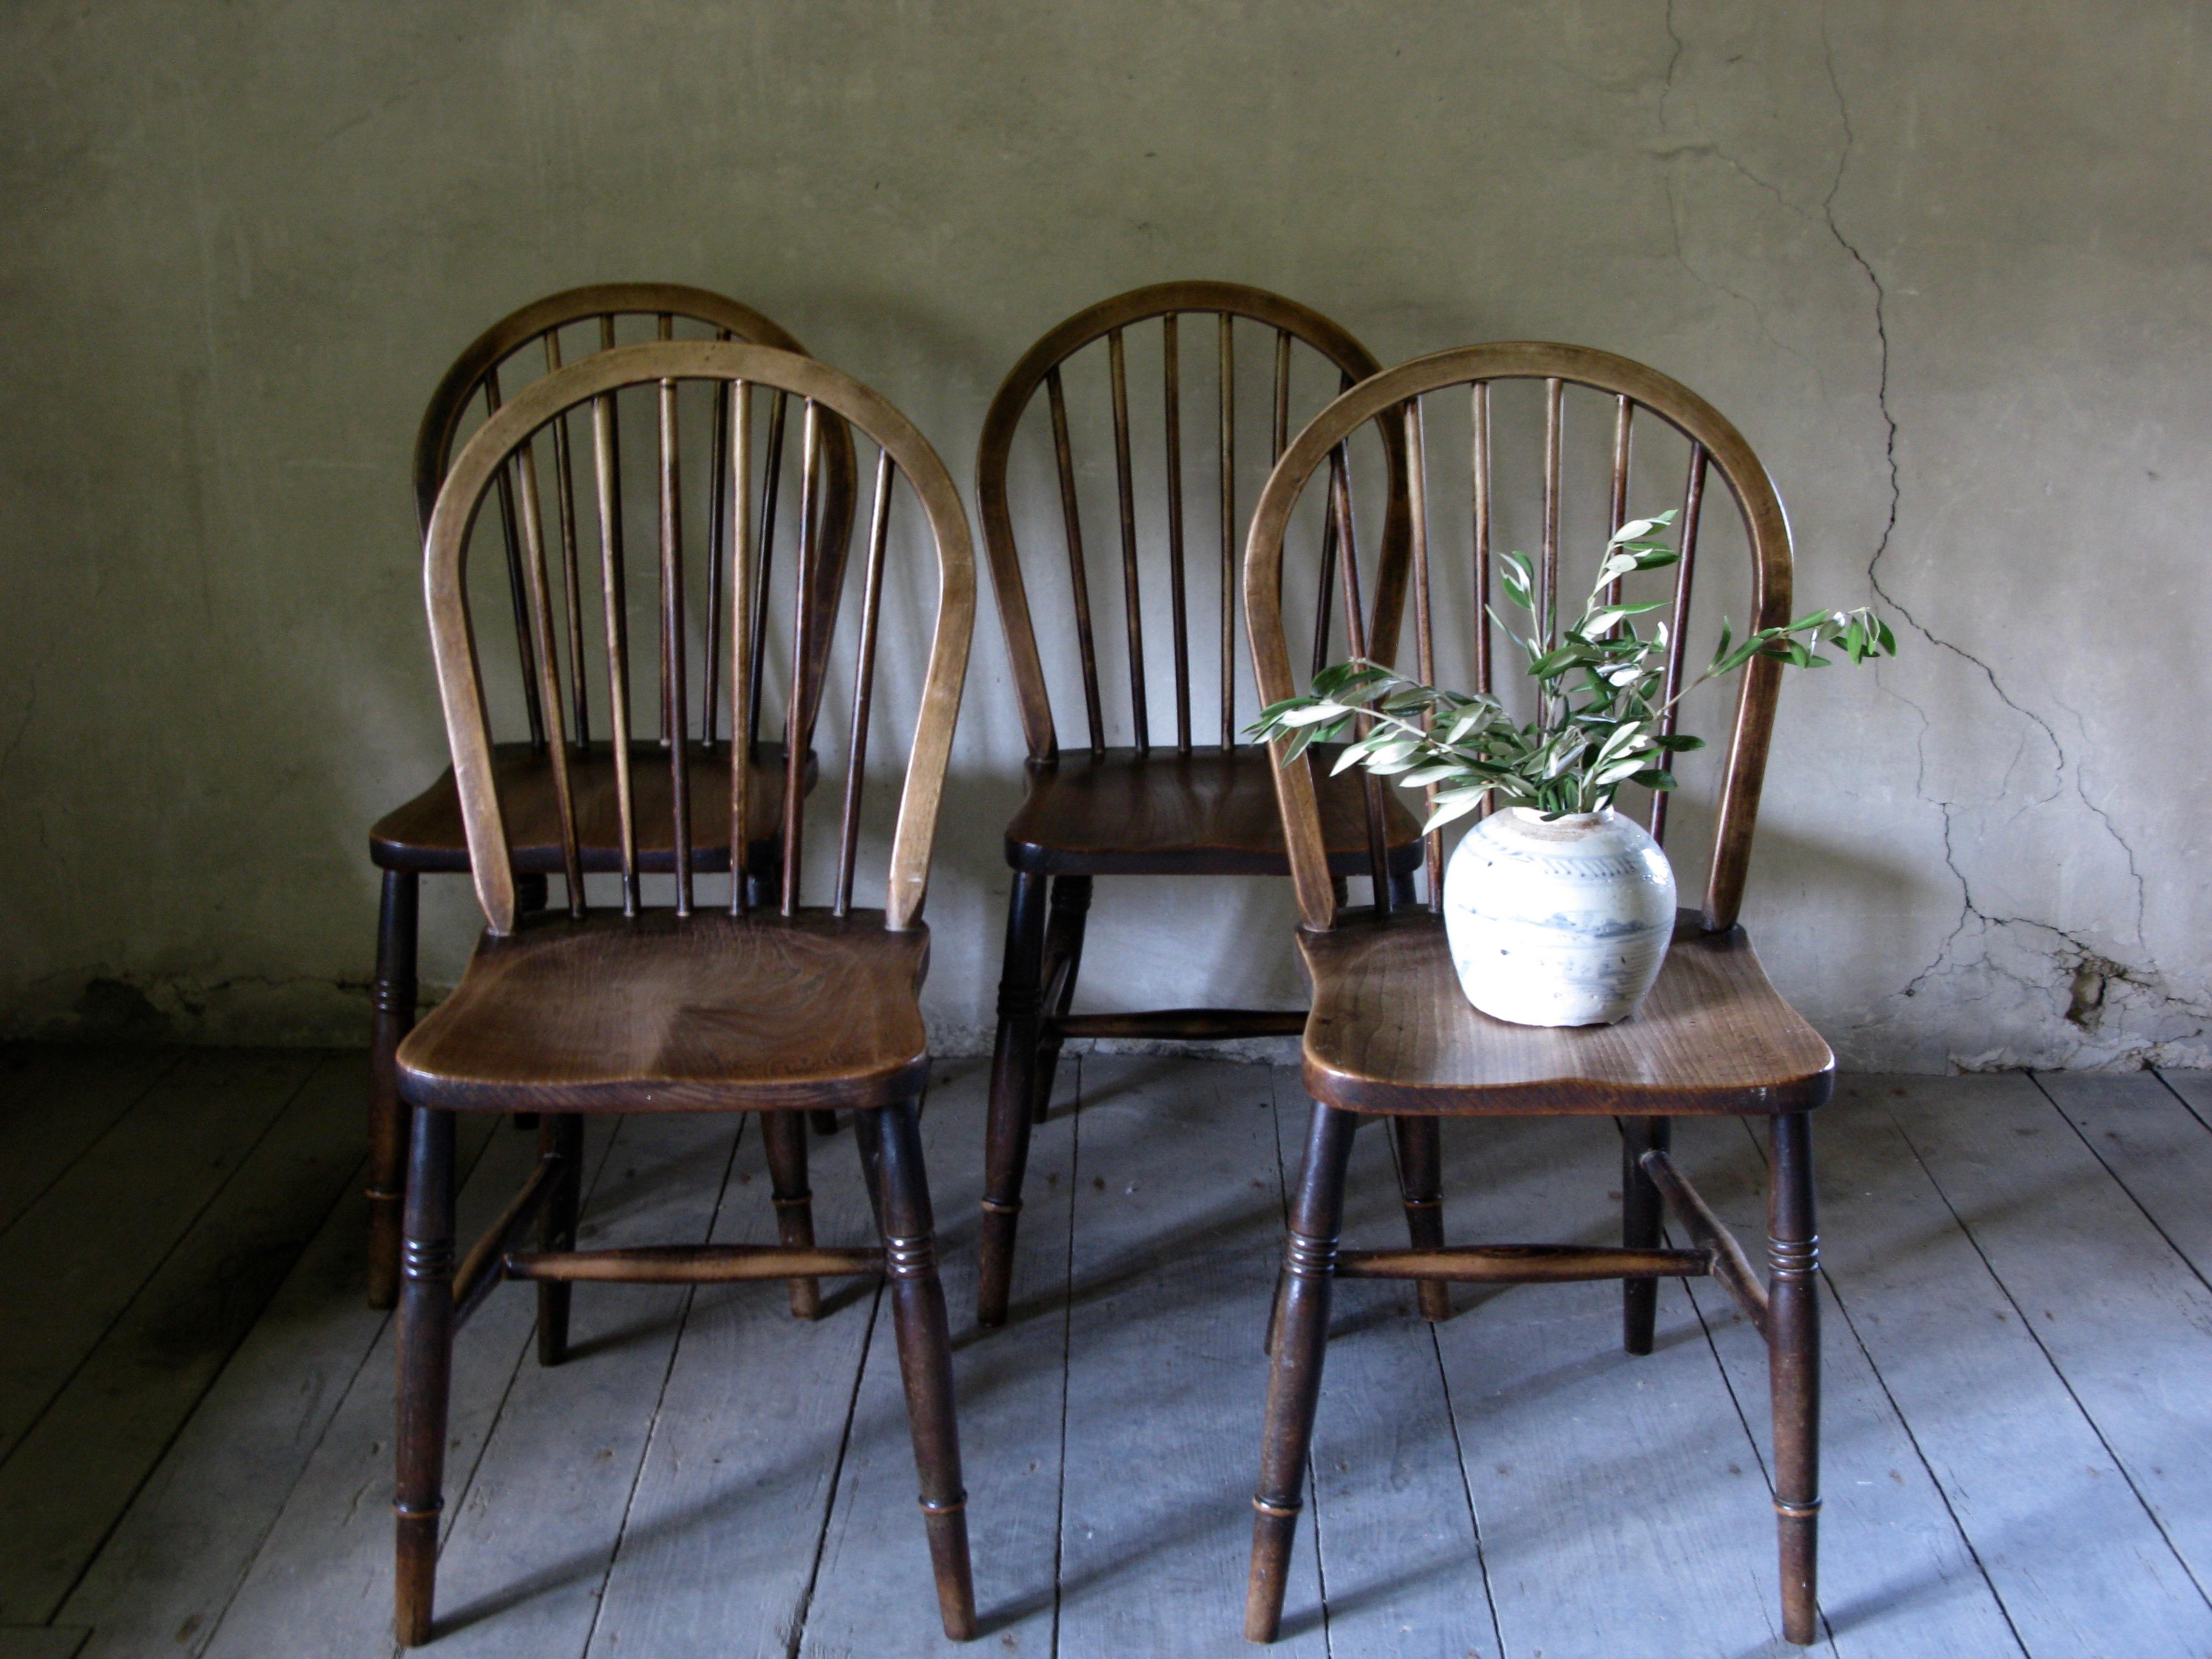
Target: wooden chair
<point x="425" y="835"/>
<point x="729" y="1008"/>
<point x="1392" y="1033"/>
<point x="1192" y="808"/>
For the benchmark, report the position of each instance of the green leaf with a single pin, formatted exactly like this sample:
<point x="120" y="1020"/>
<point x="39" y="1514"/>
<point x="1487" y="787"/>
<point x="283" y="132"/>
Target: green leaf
<point x="1314" y="714"/>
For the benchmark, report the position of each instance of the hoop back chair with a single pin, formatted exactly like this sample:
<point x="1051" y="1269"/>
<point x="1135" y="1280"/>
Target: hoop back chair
<point x="1185" y="807"/>
<point x="771" y="1008"/>
<point x="425" y="836"/>
<point x="1391" y="1031"/>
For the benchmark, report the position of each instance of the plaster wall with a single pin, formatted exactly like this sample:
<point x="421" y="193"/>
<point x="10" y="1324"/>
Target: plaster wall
<point x="1945" y="265"/>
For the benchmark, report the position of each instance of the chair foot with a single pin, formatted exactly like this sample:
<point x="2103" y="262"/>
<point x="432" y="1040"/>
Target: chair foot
<point x="416" y="1580"/>
<point x="426" y="1359"/>
<point x="1294" y="1371"/>
<point x="995" y="1273"/>
<point x="1793" y="1337"/>
<point x="1274" y="1531"/>
<point x="925" y="1346"/>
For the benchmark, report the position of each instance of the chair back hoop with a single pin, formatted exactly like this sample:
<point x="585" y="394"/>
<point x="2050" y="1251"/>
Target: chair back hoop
<point x="475" y="374"/>
<point x="1040" y="367"/>
<point x="1714" y="443"/>
<point x="506" y="439"/>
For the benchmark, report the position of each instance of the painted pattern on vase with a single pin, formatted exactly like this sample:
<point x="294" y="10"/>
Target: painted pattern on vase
<point x="1564" y="923"/>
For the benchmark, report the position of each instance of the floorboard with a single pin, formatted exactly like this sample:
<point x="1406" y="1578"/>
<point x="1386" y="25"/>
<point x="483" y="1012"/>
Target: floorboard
<point x="1895" y="1571"/>
<point x="159" y="1167"/>
<point x="2076" y="1561"/>
<point x="56" y="1104"/>
<point x="873" y="1589"/>
<point x="718" y="1546"/>
<point x="2152" y="1144"/>
<point x="321" y="1581"/>
<point x="170" y="1569"/>
<point x="2126" y="1323"/>
<point x="1178" y="1217"/>
<point x="1622" y="1505"/>
<point x="537" y="1526"/>
<point x="1401" y="1568"/>
<point x="2016" y="1329"/>
<point x="74" y="1472"/>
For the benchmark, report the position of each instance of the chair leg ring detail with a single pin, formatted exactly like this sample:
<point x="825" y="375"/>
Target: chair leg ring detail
<point x="1789" y="1511"/>
<point x="1289" y="1511"/>
<point x="993" y="1206"/>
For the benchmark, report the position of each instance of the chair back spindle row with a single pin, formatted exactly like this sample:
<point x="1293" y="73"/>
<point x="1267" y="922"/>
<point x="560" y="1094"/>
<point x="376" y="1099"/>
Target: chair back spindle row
<point x="506" y="448"/>
<point x="1632" y="388"/>
<point x="477" y="373"/>
<point x="1043" y="365"/>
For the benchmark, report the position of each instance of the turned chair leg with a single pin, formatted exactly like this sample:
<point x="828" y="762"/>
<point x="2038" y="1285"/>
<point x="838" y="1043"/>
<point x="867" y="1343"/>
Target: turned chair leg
<point x="1063" y="956"/>
<point x="1014" y="1086"/>
<point x="1421" y="1186"/>
<point x="1793" y="1291"/>
<point x="784" y="1136"/>
<point x="391" y="994"/>
<point x="1294" y="1374"/>
<point x="561" y="1139"/>
<point x="1641" y="1214"/>
<point x="925" y="1349"/>
<point x="426" y="1359"/>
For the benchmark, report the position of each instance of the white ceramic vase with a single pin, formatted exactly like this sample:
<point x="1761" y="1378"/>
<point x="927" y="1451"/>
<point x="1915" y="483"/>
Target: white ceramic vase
<point x="1564" y="923"/>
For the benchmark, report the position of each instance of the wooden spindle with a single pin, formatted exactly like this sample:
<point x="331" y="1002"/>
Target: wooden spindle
<point x="794" y="736"/>
<point x="1282" y="426"/>
<point x="1624" y="411"/>
<point x="1132" y="601"/>
<point x="518" y="584"/>
<point x="671" y="714"/>
<point x="548" y="671"/>
<point x="1077" y="579"/>
<point x="672" y="698"/>
<point x="1355" y="631"/>
<point x="1480" y="463"/>
<point x="741" y="637"/>
<point x="1178" y="599"/>
<point x="1678" y="626"/>
<point x="1325" y="596"/>
<point x="864" y="680"/>
<point x="572" y="576"/>
<point x="1227" y="402"/>
<point x="1417" y="500"/>
<point x="771" y="484"/>
<point x="718" y="542"/>
<point x="1548" y="620"/>
<point x="606" y="468"/>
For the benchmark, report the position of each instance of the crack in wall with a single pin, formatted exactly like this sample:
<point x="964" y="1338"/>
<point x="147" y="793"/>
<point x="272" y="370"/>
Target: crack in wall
<point x="2090" y="975"/>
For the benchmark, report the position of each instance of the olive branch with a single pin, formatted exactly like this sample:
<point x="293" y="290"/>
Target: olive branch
<point x="1601" y="706"/>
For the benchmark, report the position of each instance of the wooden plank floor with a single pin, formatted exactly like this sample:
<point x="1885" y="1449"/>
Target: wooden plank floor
<point x="195" y="1405"/>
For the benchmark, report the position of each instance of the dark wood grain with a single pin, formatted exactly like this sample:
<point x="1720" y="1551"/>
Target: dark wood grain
<point x="708" y="1013"/>
<point x="1391" y="1031"/>
<point x="1209" y="812"/>
<point x="428" y="834"/>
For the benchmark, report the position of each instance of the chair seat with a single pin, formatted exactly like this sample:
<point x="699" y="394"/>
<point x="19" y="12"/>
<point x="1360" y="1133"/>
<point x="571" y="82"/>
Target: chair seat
<point x="1391" y="1031"/>
<point x="427" y="834"/>
<point x="1212" y="812"/>
<point x="661" y="1013"/>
